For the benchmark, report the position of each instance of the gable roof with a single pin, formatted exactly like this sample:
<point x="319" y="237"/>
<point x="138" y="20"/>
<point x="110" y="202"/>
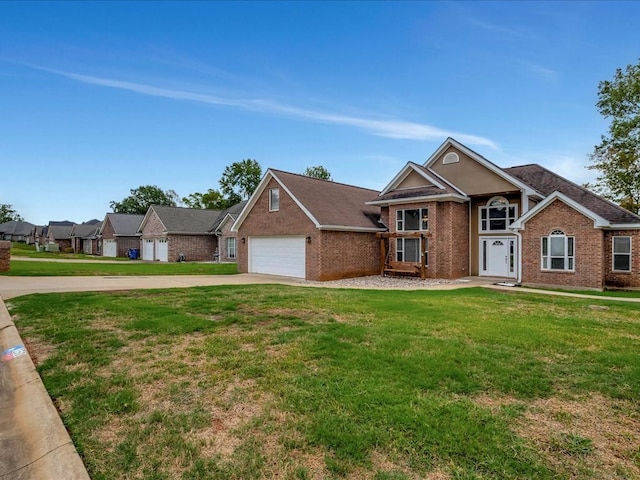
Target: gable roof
<point x="85" y="230"/>
<point x="439" y="188"/>
<point x="547" y="182"/>
<point x="329" y="205"/>
<point x="59" y="232"/>
<point x="123" y="224"/>
<point x="229" y="213"/>
<point x="180" y="220"/>
<point x="16" y="227"/>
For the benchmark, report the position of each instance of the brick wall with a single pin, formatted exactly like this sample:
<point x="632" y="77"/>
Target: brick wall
<point x="123" y="244"/>
<point x="448" y="238"/>
<point x="329" y="255"/>
<point x="5" y="255"/>
<point x="630" y="279"/>
<point x="196" y="248"/>
<point x="589" y="244"/>
<point x="225" y="232"/>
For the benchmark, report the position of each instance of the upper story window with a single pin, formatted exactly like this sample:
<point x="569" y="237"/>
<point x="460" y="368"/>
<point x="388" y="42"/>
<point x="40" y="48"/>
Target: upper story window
<point x="621" y="254"/>
<point x="497" y="215"/>
<point x="274" y="199"/>
<point x="412" y="219"/>
<point x="558" y="252"/>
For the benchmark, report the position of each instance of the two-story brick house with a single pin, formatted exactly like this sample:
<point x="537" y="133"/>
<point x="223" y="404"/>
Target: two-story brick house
<point x="460" y="215"/>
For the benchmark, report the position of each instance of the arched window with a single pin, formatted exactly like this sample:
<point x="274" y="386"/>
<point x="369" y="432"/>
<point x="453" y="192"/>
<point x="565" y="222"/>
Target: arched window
<point x="497" y="215"/>
<point x="558" y="251"/>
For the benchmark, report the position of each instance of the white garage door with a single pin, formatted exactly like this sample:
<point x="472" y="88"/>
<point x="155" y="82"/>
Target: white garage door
<point x="147" y="249"/>
<point x="162" y="250"/>
<point x="110" y="248"/>
<point x="277" y="256"/>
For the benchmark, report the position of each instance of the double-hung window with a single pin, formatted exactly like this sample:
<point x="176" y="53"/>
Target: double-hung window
<point x="408" y="250"/>
<point x="415" y="219"/>
<point x="231" y="247"/>
<point x="497" y="215"/>
<point x="621" y="254"/>
<point x="558" y="252"/>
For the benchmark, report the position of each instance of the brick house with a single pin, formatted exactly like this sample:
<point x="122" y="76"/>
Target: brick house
<point x="456" y="215"/>
<point x="227" y="239"/>
<point x="304" y="227"/>
<point x="84" y="237"/>
<point x="118" y="234"/>
<point x="167" y="233"/>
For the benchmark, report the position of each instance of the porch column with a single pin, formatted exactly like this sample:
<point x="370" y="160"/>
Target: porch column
<point x="5" y="255"/>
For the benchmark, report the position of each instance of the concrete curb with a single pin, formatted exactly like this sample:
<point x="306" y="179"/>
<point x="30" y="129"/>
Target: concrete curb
<point x="33" y="445"/>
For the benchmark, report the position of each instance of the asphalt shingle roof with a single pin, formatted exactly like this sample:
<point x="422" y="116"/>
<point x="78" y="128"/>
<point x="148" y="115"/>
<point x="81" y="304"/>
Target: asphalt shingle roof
<point x="186" y="220"/>
<point x="546" y="182"/>
<point x="332" y="203"/>
<point x="15" y="227"/>
<point x="125" y="223"/>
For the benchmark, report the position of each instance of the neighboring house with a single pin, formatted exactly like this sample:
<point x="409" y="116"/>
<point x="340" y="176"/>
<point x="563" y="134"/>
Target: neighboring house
<point x="456" y="215"/>
<point x="167" y="233"/>
<point x="118" y="234"/>
<point x="17" y="231"/>
<point x="227" y="240"/>
<point x="59" y="233"/>
<point x="298" y="226"/>
<point x="84" y="237"/>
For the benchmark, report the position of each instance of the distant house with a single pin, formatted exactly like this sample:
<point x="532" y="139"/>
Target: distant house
<point x="170" y="233"/>
<point x="84" y="237"/>
<point x="118" y="234"/>
<point x="59" y="233"/>
<point x="18" y="231"/>
<point x="227" y="239"/>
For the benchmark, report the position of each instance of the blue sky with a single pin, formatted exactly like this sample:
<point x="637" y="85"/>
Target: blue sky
<point x="99" y="98"/>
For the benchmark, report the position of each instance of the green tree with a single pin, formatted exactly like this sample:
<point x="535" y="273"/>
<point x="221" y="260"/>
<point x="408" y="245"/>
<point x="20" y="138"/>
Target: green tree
<point x="7" y="213"/>
<point x="617" y="157"/>
<point x="142" y="198"/>
<point x="239" y="180"/>
<point x="318" y="172"/>
<point x="212" y="200"/>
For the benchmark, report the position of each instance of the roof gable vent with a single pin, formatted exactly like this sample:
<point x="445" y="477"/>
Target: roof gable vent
<point x="450" y="157"/>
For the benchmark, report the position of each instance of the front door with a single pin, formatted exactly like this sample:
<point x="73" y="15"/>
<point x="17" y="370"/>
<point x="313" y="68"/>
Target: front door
<point x="498" y="257"/>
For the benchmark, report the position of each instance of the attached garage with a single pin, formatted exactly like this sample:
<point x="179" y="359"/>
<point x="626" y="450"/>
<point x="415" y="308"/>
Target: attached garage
<point x="110" y="248"/>
<point x="277" y="255"/>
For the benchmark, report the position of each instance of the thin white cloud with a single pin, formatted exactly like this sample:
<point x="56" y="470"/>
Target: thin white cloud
<point x="397" y="129"/>
<point x="541" y="71"/>
<point x="493" y="27"/>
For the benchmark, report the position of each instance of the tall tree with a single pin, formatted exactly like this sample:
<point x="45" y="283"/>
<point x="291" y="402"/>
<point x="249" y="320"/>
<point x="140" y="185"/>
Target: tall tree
<point x="212" y="200"/>
<point x="7" y="213"/>
<point x="239" y="180"/>
<point x="318" y="172"/>
<point x="617" y="157"/>
<point x="143" y="197"/>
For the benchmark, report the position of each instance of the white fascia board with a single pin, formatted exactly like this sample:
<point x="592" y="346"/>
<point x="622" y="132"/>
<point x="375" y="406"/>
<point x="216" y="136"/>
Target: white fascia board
<point x="252" y="201"/>
<point x="404" y="173"/>
<point x="625" y="226"/>
<point x="598" y="221"/>
<point x="482" y="161"/>
<point x="345" y="228"/>
<point x="431" y="198"/>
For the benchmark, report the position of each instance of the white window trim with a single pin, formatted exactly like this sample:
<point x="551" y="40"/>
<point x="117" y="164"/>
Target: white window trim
<point x="231" y="248"/>
<point x="614" y="254"/>
<point x="400" y="248"/>
<point x="277" y="193"/>
<point x="488" y="206"/>
<point x="566" y="256"/>
<point x="403" y="220"/>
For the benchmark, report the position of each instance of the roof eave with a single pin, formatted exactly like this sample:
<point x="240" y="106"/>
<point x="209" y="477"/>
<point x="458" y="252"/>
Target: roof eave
<point x="347" y="228"/>
<point x="428" y="198"/>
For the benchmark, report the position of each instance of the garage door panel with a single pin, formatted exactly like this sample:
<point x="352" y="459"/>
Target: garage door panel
<point x="277" y="256"/>
<point x="109" y="248"/>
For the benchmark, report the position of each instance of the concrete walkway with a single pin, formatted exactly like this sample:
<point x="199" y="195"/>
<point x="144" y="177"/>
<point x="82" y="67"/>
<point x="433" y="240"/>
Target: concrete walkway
<point x="33" y="441"/>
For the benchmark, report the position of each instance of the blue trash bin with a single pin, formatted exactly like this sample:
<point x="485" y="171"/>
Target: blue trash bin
<point x="133" y="253"/>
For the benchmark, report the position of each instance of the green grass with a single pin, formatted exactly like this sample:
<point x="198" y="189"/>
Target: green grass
<point x="28" y="268"/>
<point x="23" y="250"/>
<point x="255" y="382"/>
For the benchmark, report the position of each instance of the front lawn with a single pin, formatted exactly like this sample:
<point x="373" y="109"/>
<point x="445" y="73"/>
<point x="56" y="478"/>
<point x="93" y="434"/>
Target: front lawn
<point x="256" y="382"/>
<point x="27" y="268"/>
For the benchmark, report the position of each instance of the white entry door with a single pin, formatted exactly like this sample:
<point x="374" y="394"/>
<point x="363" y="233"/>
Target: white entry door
<point x="498" y="257"/>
